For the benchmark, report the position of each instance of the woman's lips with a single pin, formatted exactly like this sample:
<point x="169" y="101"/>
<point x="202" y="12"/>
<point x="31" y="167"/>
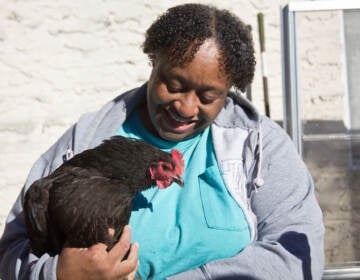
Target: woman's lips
<point x="173" y="122"/>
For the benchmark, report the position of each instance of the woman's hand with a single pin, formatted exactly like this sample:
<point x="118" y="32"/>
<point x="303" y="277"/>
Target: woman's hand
<point x="97" y="263"/>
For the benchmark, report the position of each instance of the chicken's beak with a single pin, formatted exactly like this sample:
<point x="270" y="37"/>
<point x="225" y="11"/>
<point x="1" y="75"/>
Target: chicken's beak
<point x="179" y="180"/>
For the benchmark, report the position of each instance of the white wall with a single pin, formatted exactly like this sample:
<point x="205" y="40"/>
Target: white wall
<point x="60" y="59"/>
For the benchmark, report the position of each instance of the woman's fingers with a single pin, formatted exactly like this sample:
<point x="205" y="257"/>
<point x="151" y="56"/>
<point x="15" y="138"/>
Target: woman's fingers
<point x="120" y="249"/>
<point x="130" y="265"/>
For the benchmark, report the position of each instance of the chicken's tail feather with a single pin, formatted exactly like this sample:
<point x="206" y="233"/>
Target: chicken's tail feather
<point x="36" y="216"/>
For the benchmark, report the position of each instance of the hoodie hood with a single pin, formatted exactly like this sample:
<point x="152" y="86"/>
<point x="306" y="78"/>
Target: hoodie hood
<point x="238" y="112"/>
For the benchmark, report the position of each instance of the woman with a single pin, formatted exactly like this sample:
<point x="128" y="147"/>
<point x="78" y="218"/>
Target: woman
<point x="248" y="207"/>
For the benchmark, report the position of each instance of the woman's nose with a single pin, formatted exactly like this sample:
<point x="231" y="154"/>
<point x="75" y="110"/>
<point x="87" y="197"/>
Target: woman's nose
<point x="187" y="104"/>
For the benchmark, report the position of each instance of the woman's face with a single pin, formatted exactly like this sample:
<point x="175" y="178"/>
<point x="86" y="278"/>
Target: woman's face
<point x="183" y="101"/>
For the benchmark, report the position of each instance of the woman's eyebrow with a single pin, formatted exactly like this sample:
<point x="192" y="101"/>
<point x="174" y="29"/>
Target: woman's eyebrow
<point x="185" y="81"/>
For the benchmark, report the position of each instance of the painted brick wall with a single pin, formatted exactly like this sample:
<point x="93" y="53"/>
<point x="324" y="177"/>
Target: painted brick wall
<point x="60" y="59"/>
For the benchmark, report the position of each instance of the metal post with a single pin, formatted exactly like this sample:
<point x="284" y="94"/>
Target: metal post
<point x="261" y="27"/>
<point x="292" y="122"/>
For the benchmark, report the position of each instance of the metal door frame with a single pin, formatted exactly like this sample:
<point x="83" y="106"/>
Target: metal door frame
<point x="291" y="97"/>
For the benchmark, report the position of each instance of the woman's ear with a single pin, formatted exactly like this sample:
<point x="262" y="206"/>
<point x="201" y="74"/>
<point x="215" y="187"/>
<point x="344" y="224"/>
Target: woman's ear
<point x="153" y="59"/>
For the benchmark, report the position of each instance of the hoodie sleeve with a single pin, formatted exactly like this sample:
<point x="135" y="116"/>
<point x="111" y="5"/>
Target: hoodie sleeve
<point x="290" y="243"/>
<point x="16" y="261"/>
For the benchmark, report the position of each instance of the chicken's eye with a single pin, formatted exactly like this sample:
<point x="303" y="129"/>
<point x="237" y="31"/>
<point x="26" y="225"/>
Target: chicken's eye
<point x="166" y="167"/>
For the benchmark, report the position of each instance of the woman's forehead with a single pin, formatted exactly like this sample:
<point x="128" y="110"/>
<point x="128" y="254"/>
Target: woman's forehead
<point x="204" y="69"/>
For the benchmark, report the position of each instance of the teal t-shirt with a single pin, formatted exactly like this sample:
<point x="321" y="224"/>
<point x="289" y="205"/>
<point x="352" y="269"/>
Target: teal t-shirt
<point x="179" y="229"/>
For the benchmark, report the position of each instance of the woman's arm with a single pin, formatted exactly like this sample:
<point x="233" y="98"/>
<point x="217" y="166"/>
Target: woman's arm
<point x="17" y="261"/>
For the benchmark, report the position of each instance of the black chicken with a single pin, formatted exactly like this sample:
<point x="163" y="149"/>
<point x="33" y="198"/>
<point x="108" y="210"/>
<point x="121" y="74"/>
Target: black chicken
<point x="93" y="192"/>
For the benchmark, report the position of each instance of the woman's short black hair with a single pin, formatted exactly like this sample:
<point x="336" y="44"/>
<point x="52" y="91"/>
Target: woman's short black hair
<point x="182" y="29"/>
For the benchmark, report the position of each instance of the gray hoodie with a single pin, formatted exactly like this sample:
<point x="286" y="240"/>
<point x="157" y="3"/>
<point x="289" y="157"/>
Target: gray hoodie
<point x="261" y="169"/>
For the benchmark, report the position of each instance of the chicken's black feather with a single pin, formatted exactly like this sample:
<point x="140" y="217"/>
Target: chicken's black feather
<point x="89" y="194"/>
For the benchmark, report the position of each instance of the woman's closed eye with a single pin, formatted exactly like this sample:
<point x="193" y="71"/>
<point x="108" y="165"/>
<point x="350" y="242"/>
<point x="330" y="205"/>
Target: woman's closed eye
<point x="205" y="100"/>
<point x="174" y="89"/>
<point x="208" y="97"/>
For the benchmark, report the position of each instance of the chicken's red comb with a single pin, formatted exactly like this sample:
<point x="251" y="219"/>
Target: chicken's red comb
<point x="178" y="161"/>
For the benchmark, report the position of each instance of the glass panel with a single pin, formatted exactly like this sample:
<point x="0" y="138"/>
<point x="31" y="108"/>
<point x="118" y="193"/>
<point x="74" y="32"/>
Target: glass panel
<point x="331" y="138"/>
